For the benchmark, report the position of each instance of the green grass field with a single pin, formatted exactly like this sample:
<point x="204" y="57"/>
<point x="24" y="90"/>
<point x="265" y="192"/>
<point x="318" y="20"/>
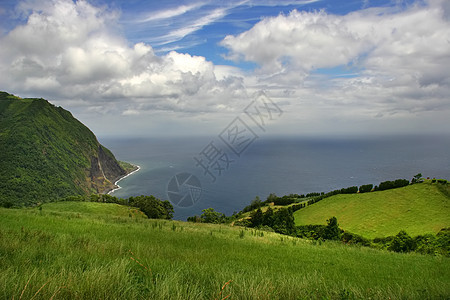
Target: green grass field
<point x="419" y="209"/>
<point x="105" y="251"/>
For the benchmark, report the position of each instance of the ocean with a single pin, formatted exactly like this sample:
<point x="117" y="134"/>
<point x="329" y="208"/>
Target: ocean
<point x="198" y="173"/>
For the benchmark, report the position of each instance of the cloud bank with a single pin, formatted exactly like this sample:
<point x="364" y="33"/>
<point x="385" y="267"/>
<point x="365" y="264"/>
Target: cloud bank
<point x="74" y="51"/>
<point x="373" y="70"/>
<point x="396" y="60"/>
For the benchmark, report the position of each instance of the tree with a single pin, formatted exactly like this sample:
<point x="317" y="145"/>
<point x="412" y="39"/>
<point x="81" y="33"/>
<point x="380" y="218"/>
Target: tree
<point x="268" y="217"/>
<point x="152" y="207"/>
<point x="253" y="205"/>
<point x="332" y="231"/>
<point x="417" y="178"/>
<point x="209" y="215"/>
<point x="271" y="198"/>
<point x="365" y="188"/>
<point x="257" y="217"/>
<point x="283" y="221"/>
<point x="402" y="242"/>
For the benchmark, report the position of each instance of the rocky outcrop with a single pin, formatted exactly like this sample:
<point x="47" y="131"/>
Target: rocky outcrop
<point x="109" y="165"/>
<point x="105" y="170"/>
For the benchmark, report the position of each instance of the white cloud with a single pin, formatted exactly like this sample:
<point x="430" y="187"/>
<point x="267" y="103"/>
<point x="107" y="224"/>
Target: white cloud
<point x="170" y="13"/>
<point x="400" y="58"/>
<point x="67" y="50"/>
<point x="74" y="54"/>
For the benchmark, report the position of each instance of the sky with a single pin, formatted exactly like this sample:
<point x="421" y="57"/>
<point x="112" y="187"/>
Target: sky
<point x="181" y="68"/>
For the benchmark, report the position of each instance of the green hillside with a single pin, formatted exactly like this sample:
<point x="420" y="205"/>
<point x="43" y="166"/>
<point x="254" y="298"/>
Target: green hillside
<point x="103" y="251"/>
<point x="418" y="209"/>
<point x="45" y="154"/>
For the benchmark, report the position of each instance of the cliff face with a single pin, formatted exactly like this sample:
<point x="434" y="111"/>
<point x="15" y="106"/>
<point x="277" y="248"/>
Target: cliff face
<point x="45" y="154"/>
<point x="105" y="170"/>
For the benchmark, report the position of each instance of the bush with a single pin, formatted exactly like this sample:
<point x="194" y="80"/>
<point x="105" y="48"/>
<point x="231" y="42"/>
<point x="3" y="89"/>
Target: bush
<point x="310" y="231"/>
<point x="194" y="219"/>
<point x="244" y="223"/>
<point x="285" y="200"/>
<point x="354" y="239"/>
<point x="426" y="244"/>
<point x="402" y="242"/>
<point x="209" y="215"/>
<point x="257" y="217"/>
<point x="149" y="205"/>
<point x="332" y="230"/>
<point x="386" y="185"/>
<point x="443" y="241"/>
<point x="349" y="190"/>
<point x="296" y="207"/>
<point x="366" y="188"/>
<point x="254" y="204"/>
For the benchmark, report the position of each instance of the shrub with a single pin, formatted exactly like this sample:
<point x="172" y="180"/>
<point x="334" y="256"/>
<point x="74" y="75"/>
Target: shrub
<point x="402" y="242"/>
<point x="244" y="223"/>
<point x="366" y="188"/>
<point x="332" y="230"/>
<point x="443" y="241"/>
<point x="285" y="200"/>
<point x="349" y="190"/>
<point x="426" y="244"/>
<point x="354" y="239"/>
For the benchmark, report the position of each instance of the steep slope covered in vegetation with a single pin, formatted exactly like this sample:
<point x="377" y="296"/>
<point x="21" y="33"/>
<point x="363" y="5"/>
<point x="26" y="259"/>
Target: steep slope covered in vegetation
<point x="418" y="209"/>
<point x="45" y="154"/>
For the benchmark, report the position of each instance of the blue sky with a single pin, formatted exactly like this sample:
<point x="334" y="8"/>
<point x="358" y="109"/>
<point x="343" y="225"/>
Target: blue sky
<point x="157" y="22"/>
<point x="135" y="67"/>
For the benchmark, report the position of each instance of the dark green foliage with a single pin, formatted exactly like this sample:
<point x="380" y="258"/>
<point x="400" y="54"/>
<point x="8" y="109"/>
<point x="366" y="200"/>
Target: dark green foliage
<point x="312" y="195"/>
<point x="283" y="221"/>
<point x="46" y="154"/>
<point x="402" y="242"/>
<point x="253" y="205"/>
<point x="271" y="198"/>
<point x="332" y="230"/>
<point x="438" y="244"/>
<point x="443" y="241"/>
<point x="268" y="217"/>
<point x="151" y="206"/>
<point x="354" y="239"/>
<point x="366" y="188"/>
<point x="349" y="190"/>
<point x="386" y="185"/>
<point x="426" y="244"/>
<point x="296" y="207"/>
<point x="194" y="219"/>
<point x="209" y="215"/>
<point x="417" y="179"/>
<point x="285" y="200"/>
<point x="257" y="218"/>
<point x="314" y="232"/>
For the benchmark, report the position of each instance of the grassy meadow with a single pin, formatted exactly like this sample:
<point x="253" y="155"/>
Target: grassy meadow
<point x="82" y="250"/>
<point x="418" y="209"/>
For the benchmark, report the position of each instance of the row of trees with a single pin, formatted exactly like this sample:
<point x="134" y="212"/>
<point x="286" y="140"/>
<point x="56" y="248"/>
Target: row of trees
<point x="387" y="185"/>
<point x="281" y="221"/>
<point x="151" y="206"/>
<point x="435" y="244"/>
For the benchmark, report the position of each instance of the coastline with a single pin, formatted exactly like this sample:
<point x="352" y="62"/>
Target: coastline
<point x="118" y="187"/>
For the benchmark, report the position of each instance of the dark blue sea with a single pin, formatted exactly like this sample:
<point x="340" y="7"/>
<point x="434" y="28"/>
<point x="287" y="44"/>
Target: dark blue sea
<point x="213" y="174"/>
